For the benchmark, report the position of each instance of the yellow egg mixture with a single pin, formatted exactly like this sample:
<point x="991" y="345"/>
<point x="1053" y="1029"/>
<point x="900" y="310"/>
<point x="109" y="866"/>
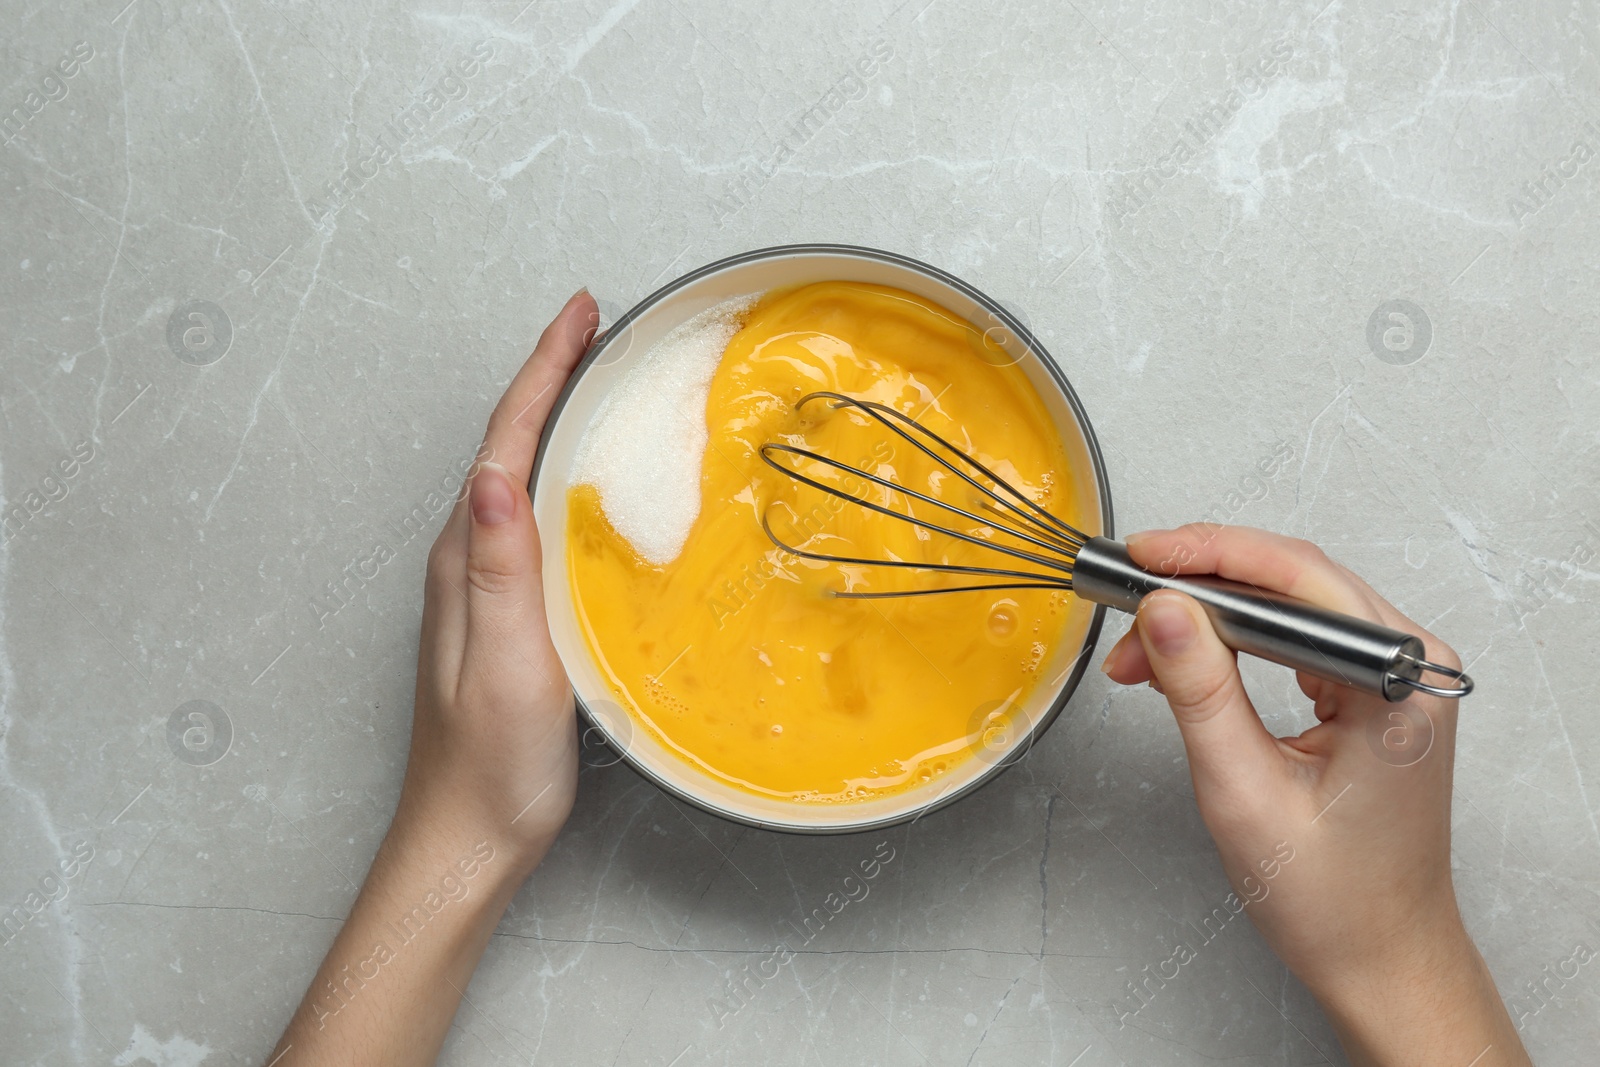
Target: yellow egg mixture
<point x="735" y="654"/>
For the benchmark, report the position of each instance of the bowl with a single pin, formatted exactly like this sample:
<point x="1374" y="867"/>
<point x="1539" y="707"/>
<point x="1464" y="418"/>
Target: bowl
<point x="1003" y="741"/>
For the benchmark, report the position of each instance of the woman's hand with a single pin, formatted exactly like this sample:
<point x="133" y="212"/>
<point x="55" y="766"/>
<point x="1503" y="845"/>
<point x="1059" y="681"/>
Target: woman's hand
<point x="493" y="738"/>
<point x="493" y="765"/>
<point x="1338" y="840"/>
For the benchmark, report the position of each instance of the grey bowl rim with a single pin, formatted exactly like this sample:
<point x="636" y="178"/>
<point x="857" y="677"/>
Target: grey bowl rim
<point x="1091" y="441"/>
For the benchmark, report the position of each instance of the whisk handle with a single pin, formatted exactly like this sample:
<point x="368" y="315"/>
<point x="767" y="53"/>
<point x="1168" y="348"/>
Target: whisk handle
<point x="1335" y="647"/>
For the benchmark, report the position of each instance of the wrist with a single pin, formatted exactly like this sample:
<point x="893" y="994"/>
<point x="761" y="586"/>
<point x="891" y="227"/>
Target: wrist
<point x="437" y="836"/>
<point x="454" y="802"/>
<point x="1391" y="974"/>
<point x="1427" y="999"/>
<point x="432" y="898"/>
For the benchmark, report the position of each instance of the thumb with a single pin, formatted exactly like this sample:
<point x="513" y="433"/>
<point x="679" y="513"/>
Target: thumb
<point x="503" y="585"/>
<point x="1200" y="679"/>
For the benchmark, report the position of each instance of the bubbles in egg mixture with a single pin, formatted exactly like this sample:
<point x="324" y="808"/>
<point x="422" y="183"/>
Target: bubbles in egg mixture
<point x="1004" y="617"/>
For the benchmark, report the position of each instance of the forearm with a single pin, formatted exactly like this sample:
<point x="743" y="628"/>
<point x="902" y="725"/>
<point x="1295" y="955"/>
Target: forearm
<point x="1437" y="1004"/>
<point x="395" y="975"/>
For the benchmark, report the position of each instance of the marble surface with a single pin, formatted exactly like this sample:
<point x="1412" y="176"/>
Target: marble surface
<point x="265" y="265"/>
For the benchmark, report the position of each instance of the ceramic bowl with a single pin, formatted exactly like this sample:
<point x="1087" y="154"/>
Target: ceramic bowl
<point x="1004" y="340"/>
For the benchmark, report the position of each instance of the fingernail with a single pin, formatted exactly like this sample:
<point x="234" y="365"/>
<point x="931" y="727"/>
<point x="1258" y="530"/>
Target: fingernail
<point x="581" y="290"/>
<point x="1110" y="662"/>
<point x="493" y="499"/>
<point x="1134" y="538"/>
<point x="1167" y="623"/>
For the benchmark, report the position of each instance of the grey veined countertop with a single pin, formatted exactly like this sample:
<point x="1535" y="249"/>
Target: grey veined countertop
<point x="266" y="266"/>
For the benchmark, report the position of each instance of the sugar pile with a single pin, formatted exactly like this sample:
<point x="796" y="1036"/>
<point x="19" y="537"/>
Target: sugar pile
<point x="642" y="451"/>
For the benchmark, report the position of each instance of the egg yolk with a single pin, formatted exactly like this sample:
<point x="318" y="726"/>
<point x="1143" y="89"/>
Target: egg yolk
<point x="736" y="654"/>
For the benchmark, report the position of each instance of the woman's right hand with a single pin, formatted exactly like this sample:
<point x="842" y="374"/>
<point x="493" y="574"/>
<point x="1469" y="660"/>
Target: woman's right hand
<point x="1338" y="840"/>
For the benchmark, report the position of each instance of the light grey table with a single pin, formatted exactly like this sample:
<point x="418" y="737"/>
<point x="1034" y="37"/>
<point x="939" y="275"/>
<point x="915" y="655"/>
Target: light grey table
<point x="265" y="266"/>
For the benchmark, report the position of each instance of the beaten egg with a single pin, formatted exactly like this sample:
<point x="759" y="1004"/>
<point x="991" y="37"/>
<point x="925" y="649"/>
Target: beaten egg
<point x="736" y="654"/>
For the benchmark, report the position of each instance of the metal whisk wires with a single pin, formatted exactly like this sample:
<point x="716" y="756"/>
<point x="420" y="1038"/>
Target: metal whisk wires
<point x="1054" y="543"/>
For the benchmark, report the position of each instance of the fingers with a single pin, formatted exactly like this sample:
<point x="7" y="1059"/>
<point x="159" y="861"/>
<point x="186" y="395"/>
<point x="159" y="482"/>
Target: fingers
<point x="1283" y="564"/>
<point x="503" y="590"/>
<point x="519" y="418"/>
<point x="1255" y="557"/>
<point x="1126" y="663"/>
<point x="483" y="571"/>
<point x="1433" y="648"/>
<point x="1199" y="676"/>
<point x="1243" y="554"/>
<point x="444" y="603"/>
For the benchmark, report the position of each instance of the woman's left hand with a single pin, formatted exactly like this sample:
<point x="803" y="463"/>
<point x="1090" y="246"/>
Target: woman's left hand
<point x="493" y="768"/>
<point x="494" y="740"/>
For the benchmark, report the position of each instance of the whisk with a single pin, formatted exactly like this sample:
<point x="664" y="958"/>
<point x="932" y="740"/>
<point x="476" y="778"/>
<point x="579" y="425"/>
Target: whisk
<point x="1043" y="552"/>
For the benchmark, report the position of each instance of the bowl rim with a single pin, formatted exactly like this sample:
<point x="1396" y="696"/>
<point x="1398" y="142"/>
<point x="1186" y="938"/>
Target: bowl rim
<point x="1091" y="636"/>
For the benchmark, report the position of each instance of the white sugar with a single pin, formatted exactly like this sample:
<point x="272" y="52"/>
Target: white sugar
<point x="643" y="449"/>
